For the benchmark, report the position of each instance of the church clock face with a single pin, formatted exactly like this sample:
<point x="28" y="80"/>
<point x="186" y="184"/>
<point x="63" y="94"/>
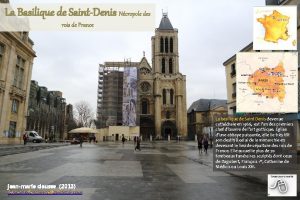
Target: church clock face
<point x="145" y="87"/>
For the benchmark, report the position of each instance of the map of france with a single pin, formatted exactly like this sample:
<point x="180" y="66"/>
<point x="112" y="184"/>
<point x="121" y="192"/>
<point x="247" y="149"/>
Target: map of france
<point x="275" y="26"/>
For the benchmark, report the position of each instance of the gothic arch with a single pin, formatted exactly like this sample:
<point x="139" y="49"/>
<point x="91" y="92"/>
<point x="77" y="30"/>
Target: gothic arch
<point x="163" y="66"/>
<point x="145" y="106"/>
<point x="171" y="96"/>
<point x="164" y="96"/>
<point x="170" y="66"/>
<point x="147" y="127"/>
<point x="166" y="45"/>
<point x="161" y="44"/>
<point x="171" y="45"/>
<point x="168" y="127"/>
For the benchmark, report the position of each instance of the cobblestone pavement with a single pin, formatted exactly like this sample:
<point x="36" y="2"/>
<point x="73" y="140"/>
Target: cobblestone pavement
<point x="112" y="171"/>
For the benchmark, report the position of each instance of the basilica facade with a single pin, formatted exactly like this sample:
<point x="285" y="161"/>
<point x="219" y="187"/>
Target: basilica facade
<point x="161" y="89"/>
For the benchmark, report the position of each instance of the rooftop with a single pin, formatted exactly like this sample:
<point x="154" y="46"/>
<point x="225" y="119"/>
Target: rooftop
<point x="165" y="23"/>
<point x="206" y="105"/>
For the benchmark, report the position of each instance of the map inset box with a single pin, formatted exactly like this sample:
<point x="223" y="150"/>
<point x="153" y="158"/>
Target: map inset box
<point x="275" y="28"/>
<point x="267" y="82"/>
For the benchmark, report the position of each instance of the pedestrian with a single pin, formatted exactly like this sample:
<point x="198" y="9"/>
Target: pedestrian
<point x="200" y="145"/>
<point x="80" y="141"/>
<point x="134" y="140"/>
<point x="46" y="138"/>
<point x="25" y="138"/>
<point x="138" y="144"/>
<point x="205" y="144"/>
<point x="123" y="139"/>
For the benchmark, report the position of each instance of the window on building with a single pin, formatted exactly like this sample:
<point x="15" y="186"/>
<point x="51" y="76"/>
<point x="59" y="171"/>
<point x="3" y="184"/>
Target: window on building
<point x="164" y="96"/>
<point x="145" y="86"/>
<point x="19" y="72"/>
<point x="15" y="106"/>
<point x="171" y="45"/>
<point x="145" y="106"/>
<point x="16" y="77"/>
<point x="171" y="97"/>
<point x="171" y="66"/>
<point x="234" y="87"/>
<point x="161" y="45"/>
<point x="12" y="129"/>
<point x="166" y="45"/>
<point x="21" y="76"/>
<point x="163" y="66"/>
<point x="233" y="90"/>
<point x="233" y="72"/>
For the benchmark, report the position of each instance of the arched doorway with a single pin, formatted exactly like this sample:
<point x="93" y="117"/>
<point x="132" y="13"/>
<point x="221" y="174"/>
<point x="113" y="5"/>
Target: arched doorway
<point x="146" y="127"/>
<point x="168" y="128"/>
<point x="168" y="131"/>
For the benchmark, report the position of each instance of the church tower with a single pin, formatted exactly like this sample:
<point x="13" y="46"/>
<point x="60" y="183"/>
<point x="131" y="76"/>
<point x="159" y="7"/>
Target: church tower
<point x="170" y="114"/>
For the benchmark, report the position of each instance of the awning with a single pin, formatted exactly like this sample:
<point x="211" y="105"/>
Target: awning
<point x="83" y="130"/>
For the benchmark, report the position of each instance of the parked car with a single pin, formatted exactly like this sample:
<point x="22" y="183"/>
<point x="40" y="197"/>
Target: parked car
<point x="33" y="136"/>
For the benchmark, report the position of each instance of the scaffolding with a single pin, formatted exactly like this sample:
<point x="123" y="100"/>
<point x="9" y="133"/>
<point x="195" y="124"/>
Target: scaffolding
<point x="110" y="92"/>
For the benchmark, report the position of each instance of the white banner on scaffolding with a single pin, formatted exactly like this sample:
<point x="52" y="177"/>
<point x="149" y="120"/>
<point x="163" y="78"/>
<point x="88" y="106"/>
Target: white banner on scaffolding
<point x="129" y="96"/>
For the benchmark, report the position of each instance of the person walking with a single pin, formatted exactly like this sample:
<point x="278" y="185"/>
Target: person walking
<point x="205" y="144"/>
<point x="80" y="141"/>
<point x="46" y="138"/>
<point x="25" y="138"/>
<point x="200" y="145"/>
<point x="138" y="144"/>
<point x="134" y="141"/>
<point x="123" y="140"/>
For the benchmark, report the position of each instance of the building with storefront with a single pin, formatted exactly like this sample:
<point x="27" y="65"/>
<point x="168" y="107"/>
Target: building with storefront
<point x="16" y="61"/>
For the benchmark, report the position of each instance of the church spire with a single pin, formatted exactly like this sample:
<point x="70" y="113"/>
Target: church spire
<point x="165" y="23"/>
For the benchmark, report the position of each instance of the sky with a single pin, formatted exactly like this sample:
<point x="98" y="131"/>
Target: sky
<point x="210" y="32"/>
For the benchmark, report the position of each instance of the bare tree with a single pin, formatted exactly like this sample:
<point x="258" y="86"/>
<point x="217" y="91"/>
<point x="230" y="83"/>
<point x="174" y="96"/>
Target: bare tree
<point x="71" y="124"/>
<point x="83" y="114"/>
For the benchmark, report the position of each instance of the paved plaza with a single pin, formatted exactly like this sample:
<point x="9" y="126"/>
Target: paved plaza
<point x="112" y="171"/>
